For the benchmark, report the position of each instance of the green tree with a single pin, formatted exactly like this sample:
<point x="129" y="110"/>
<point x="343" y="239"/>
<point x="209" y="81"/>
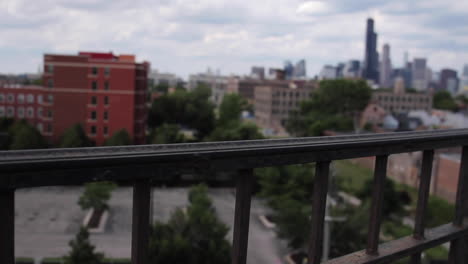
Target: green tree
<point x="194" y="237"/>
<point x="393" y="202"/>
<point x="231" y="108"/>
<point x="288" y="191"/>
<point x="82" y="251"/>
<point x="335" y="105"/>
<point x="236" y="131"/>
<point x="443" y="100"/>
<point x="25" y="136"/>
<point x="162" y="87"/>
<point x="75" y="137"/>
<point x="229" y="124"/>
<point x="190" y="109"/>
<point x="5" y="138"/>
<point x="119" y="138"/>
<point x="96" y="195"/>
<point x="167" y="134"/>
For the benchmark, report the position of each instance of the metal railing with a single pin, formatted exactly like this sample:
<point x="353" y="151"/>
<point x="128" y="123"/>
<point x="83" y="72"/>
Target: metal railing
<point x="141" y="165"/>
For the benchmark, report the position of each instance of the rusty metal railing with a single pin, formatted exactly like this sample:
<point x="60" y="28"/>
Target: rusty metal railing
<point x="142" y="165"/>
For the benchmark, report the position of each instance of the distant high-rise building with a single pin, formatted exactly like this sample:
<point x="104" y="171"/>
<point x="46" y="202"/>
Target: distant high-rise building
<point x="328" y="72"/>
<point x="352" y="69"/>
<point x="464" y="80"/>
<point x="288" y="70"/>
<point x="420" y="78"/>
<point x="371" y="58"/>
<point x="159" y="78"/>
<point x="299" y="71"/>
<point x="340" y="70"/>
<point x="448" y="80"/>
<point x="386" y="67"/>
<point x="258" y="72"/>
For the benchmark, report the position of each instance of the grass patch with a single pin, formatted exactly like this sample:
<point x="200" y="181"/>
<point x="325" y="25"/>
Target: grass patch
<point x="52" y="261"/>
<point x="351" y="177"/>
<point x="23" y="260"/>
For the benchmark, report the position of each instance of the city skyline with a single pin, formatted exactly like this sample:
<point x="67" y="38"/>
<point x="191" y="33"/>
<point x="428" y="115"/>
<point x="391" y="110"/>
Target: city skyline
<point x="185" y="38"/>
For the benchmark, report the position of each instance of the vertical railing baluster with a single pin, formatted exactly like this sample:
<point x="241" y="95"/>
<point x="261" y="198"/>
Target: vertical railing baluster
<point x="140" y="221"/>
<point x="318" y="211"/>
<point x="457" y="254"/>
<point x="423" y="196"/>
<point x="7" y="226"/>
<point x="242" y="216"/>
<point x="375" y="219"/>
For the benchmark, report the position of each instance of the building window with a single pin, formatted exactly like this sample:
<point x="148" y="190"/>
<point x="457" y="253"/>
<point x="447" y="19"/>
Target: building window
<point x="93" y="130"/>
<point x="94" y="71"/>
<point x="30" y="98"/>
<point x="2" y="111"/>
<point x="106" y="85"/>
<point x="49" y="113"/>
<point x="50" y="83"/>
<point x="106" y="132"/>
<point x="11" y="98"/>
<point x="93" y="115"/>
<point x="20" y="98"/>
<point x="39" y="112"/>
<point x="93" y="100"/>
<point x="94" y="85"/>
<point x="2" y="98"/>
<point x="50" y="68"/>
<point x="39" y="99"/>
<point x="20" y="112"/>
<point x="50" y="98"/>
<point x="107" y="71"/>
<point x="10" y="111"/>
<point x="49" y="128"/>
<point x="106" y="115"/>
<point x="106" y="100"/>
<point x="40" y="127"/>
<point x="30" y="112"/>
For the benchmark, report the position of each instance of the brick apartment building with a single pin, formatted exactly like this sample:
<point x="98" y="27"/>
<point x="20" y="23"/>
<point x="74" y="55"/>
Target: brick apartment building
<point x="24" y="102"/>
<point x="275" y="100"/>
<point x="102" y="91"/>
<point x="245" y="87"/>
<point x="400" y="101"/>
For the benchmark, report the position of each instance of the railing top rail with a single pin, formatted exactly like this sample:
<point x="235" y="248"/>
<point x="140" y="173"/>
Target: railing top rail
<point x="337" y="147"/>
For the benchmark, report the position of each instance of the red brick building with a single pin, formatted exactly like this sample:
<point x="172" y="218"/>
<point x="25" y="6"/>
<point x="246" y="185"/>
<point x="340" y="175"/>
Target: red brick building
<point x="23" y="102"/>
<point x="102" y="91"/>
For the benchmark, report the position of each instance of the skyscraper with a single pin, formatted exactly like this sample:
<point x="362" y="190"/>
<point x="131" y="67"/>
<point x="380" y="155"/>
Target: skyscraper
<point x="464" y="81"/>
<point x="419" y="71"/>
<point x="299" y="71"/>
<point x="371" y="57"/>
<point x="448" y="80"/>
<point x="386" y="67"/>
<point x="288" y="70"/>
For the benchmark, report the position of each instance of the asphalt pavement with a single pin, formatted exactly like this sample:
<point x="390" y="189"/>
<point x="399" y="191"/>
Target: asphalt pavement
<point x="46" y="219"/>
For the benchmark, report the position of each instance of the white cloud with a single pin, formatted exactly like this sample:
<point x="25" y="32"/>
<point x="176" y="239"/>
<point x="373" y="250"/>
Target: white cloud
<point x="188" y="36"/>
<point x="313" y="8"/>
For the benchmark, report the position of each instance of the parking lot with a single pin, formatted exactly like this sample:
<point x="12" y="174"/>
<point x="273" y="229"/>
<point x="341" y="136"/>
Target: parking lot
<point x="48" y="218"/>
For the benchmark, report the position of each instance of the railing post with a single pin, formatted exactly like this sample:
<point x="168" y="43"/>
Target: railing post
<point x="140" y="221"/>
<point x="242" y="216"/>
<point x="423" y="196"/>
<point x="375" y="220"/>
<point x="318" y="211"/>
<point x="457" y="249"/>
<point x="7" y="226"/>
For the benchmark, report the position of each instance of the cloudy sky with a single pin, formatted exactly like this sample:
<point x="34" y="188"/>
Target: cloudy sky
<point x="185" y="36"/>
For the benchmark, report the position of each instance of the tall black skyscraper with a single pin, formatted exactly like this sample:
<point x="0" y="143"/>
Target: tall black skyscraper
<point x="371" y="58"/>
